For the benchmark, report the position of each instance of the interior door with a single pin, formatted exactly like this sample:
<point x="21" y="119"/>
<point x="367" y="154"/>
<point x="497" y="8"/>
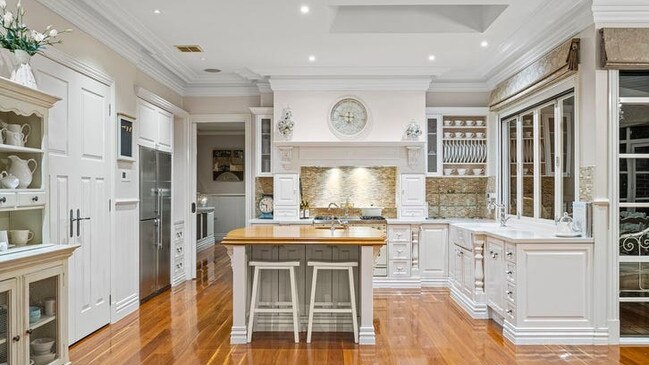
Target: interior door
<point x="79" y="159"/>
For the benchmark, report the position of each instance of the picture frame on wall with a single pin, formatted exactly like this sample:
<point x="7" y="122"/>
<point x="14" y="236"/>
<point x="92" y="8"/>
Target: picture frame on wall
<point x="228" y="165"/>
<point x="125" y="129"/>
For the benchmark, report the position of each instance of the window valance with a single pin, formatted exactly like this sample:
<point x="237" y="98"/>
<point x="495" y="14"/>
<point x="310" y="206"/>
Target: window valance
<point x="625" y="48"/>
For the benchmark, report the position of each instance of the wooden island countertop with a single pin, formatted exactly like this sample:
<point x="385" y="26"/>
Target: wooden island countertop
<point x="304" y="235"/>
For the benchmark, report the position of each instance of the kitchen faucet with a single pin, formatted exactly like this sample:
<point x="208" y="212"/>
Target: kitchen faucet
<point x="336" y="220"/>
<point x="502" y="214"/>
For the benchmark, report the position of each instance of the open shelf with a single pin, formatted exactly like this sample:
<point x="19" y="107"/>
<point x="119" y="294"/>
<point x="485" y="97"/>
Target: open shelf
<point x="18" y="149"/>
<point x="465" y="127"/>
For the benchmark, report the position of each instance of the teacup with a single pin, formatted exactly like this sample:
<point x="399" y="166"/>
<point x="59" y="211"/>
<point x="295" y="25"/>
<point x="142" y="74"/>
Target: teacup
<point x="477" y="172"/>
<point x="479" y="123"/>
<point x="448" y="122"/>
<point x="470" y="123"/>
<point x="459" y="134"/>
<point x="459" y="123"/>
<point x="528" y="134"/>
<point x="480" y="135"/>
<point x="448" y="134"/>
<point x="448" y="171"/>
<point x="469" y="134"/>
<point x="461" y="172"/>
<point x="20" y="237"/>
<point x="526" y="171"/>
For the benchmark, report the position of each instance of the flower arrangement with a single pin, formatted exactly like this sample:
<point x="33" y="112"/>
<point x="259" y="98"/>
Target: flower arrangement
<point x="286" y="124"/>
<point x="413" y="131"/>
<point x="16" y="36"/>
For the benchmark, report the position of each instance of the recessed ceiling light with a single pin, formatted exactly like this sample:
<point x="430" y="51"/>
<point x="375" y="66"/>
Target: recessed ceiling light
<point x="431" y="58"/>
<point x="304" y="9"/>
<point x="312" y="58"/>
<point x="156" y="11"/>
<point x="484" y="44"/>
<point x="212" y="70"/>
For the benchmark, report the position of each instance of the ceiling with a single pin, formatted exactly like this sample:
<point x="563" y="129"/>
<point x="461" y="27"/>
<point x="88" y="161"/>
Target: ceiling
<point x="252" y="40"/>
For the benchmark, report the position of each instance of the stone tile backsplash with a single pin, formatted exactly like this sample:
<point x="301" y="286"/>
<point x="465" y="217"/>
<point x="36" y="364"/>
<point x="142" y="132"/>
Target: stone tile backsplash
<point x="457" y="197"/>
<point x="263" y="185"/>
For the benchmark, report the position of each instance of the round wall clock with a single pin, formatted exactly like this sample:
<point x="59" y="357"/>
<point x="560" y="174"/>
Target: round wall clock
<point x="348" y="117"/>
<point x="266" y="206"/>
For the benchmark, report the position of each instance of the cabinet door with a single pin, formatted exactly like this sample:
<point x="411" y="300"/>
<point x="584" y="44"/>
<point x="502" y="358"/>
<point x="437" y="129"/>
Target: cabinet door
<point x="10" y="338"/>
<point x="44" y="294"/>
<point x="467" y="272"/>
<point x="458" y="266"/>
<point x="165" y="130"/>
<point x="413" y="190"/>
<point x="433" y="145"/>
<point x="432" y="252"/>
<point x="264" y="144"/>
<point x="147" y="123"/>
<point x="494" y="274"/>
<point x="285" y="190"/>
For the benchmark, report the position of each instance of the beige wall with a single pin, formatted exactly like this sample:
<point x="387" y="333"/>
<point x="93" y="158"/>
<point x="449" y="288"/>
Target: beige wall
<point x="457" y="99"/>
<point x="204" y="181"/>
<point x="220" y="104"/>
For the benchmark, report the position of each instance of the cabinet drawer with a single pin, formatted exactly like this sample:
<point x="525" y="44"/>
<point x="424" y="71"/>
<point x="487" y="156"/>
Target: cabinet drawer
<point x="400" y="268"/>
<point x="510" y="252"/>
<point x="7" y="200"/>
<point x="399" y="234"/>
<point x="179" y="235"/>
<point x="510" y="272"/>
<point x="510" y="292"/>
<point x="413" y="212"/>
<point x="179" y="250"/>
<point x="286" y="213"/>
<point x="179" y="267"/>
<point x="399" y="251"/>
<point x="31" y="199"/>
<point x="460" y="237"/>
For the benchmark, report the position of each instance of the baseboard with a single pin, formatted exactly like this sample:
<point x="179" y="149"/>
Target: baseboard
<point x="204" y="244"/>
<point x="554" y="336"/>
<point x="394" y="283"/>
<point x="475" y="310"/>
<point x="125" y="307"/>
<point x="434" y="282"/>
<point x="179" y="280"/>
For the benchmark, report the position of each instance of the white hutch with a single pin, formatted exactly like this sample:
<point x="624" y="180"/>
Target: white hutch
<point x="32" y="274"/>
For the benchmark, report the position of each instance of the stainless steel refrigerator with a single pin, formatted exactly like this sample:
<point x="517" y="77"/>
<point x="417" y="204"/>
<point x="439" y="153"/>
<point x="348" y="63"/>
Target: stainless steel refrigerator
<point x="155" y="222"/>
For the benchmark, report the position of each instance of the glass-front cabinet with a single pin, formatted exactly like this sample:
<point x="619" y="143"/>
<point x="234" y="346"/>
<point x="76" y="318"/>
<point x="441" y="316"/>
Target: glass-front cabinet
<point x="633" y="202"/>
<point x="9" y="335"/>
<point x="41" y="318"/>
<point x="536" y="143"/>
<point x="263" y="126"/>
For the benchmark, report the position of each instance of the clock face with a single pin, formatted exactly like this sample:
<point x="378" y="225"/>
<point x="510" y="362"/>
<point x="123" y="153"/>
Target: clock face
<point x="266" y="204"/>
<point x="348" y="117"/>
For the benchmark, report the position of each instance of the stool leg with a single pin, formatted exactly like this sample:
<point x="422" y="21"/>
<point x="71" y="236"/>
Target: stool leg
<point x="311" y="305"/>
<point x="253" y="302"/>
<point x="296" y="331"/>
<point x="352" y="297"/>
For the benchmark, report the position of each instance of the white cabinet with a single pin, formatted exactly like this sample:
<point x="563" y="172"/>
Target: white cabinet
<point x="412" y="202"/>
<point x="434" y="145"/>
<point x="494" y="263"/>
<point x="467" y="273"/>
<point x="399" y="251"/>
<point x="286" y="198"/>
<point x="263" y="140"/>
<point x="433" y="262"/>
<point x="155" y="127"/>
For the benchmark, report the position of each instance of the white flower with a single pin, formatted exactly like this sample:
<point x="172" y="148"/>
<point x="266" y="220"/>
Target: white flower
<point x="38" y="37"/>
<point x="3" y="4"/>
<point x="54" y="33"/>
<point x="7" y="19"/>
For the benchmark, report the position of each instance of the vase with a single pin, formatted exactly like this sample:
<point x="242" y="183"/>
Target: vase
<point x="22" y="74"/>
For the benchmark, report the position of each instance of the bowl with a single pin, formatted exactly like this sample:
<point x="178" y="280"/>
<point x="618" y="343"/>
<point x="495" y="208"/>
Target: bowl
<point x="44" y="358"/>
<point x="371" y="211"/>
<point x="34" y="314"/>
<point x="461" y="172"/>
<point x="448" y="172"/>
<point x="42" y="346"/>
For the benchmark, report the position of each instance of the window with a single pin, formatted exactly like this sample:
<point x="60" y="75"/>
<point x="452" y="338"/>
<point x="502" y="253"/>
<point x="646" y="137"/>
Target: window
<point x="536" y="145"/>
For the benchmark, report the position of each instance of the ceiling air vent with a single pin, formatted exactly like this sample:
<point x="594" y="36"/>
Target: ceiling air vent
<point x="189" y="48"/>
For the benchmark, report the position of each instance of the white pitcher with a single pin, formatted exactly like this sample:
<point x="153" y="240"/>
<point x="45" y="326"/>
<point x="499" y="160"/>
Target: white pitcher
<point x="14" y="138"/>
<point x="25" y="129"/>
<point x="8" y="181"/>
<point x="20" y="169"/>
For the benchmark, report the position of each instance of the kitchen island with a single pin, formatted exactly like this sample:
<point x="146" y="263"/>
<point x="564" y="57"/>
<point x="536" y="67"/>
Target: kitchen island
<point x="303" y="244"/>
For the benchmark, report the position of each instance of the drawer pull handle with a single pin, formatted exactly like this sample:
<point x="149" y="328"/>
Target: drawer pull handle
<point x="509" y="254"/>
<point x="509" y="311"/>
<point x="35" y="198"/>
<point x="3" y="199"/>
<point x="494" y="255"/>
<point x="508" y="272"/>
<point x="509" y="292"/>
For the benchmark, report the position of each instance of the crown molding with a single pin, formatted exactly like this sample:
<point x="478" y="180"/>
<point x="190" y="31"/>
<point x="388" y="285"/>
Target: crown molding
<point x="458" y="86"/>
<point x="160" y="102"/>
<point x="621" y="15"/>
<point x="571" y="18"/>
<point x="222" y="90"/>
<point x="357" y="72"/>
<point x="421" y="83"/>
<point x="78" y="66"/>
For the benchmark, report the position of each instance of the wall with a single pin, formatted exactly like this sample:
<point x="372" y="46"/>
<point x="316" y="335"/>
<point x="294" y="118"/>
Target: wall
<point x="457" y="197"/>
<point x="361" y="186"/>
<point x="221" y="104"/>
<point x="457" y="99"/>
<point x="204" y="181"/>
<point x="390" y="112"/>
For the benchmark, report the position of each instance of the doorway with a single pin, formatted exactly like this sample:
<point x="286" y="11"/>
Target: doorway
<point x="220" y="177"/>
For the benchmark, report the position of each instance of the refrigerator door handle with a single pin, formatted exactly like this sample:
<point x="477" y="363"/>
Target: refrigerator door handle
<point x="160" y="213"/>
<point x="156" y="224"/>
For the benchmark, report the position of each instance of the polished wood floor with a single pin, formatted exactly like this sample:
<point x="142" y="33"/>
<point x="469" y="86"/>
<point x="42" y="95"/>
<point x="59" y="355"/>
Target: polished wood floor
<point x="191" y="325"/>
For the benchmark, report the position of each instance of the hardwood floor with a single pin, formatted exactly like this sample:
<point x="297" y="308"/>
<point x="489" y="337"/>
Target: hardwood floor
<point x="191" y="325"/>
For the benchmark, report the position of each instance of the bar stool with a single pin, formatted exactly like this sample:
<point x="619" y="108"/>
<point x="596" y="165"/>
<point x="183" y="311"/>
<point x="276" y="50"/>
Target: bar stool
<point x="265" y="265"/>
<point x="349" y="266"/>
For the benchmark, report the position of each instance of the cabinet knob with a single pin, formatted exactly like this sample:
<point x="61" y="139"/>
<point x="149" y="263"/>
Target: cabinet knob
<point x="3" y="199"/>
<point x="29" y="331"/>
<point x="35" y="198"/>
<point x="509" y="254"/>
<point x="508" y="292"/>
<point x="508" y="272"/>
<point x="16" y="338"/>
<point x="509" y="311"/>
